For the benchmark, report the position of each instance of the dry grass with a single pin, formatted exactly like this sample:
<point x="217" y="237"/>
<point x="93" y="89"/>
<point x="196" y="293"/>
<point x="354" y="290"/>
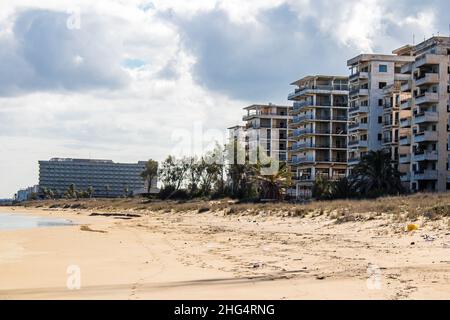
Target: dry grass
<point x="401" y="208"/>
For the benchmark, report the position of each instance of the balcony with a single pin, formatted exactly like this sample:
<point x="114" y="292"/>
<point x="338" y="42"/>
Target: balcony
<point x="427" y="116"/>
<point x="301" y="160"/>
<point x="405" y="122"/>
<point x="302" y="146"/>
<point x="426" y="136"/>
<point x="359" y="92"/>
<point x="406" y="87"/>
<point x="425" y="156"/>
<point x="358" y="75"/>
<point x="405" y="177"/>
<point x="301" y="132"/>
<point x="407" y="68"/>
<point x="358" y="144"/>
<point x="405" y="104"/>
<point x="353" y="161"/>
<point x="404" y="158"/>
<point x="358" y="109"/>
<point x="427" y="59"/>
<point x="316" y="89"/>
<point x="298" y="106"/>
<point x="427" y="79"/>
<point x="425" y="175"/>
<point x="358" y="126"/>
<point x="401" y="77"/>
<point x="404" y="141"/>
<point x="427" y="97"/>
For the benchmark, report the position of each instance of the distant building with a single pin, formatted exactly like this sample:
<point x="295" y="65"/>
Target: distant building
<point x="26" y="194"/>
<point x="107" y="178"/>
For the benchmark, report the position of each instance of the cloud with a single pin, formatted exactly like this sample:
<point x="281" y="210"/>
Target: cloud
<point x="43" y="54"/>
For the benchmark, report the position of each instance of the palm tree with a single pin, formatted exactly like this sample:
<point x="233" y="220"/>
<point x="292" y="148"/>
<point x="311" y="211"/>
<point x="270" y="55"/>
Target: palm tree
<point x="90" y="191"/>
<point x="322" y="189"/>
<point x="273" y="186"/>
<point x="375" y="176"/>
<point x="150" y="173"/>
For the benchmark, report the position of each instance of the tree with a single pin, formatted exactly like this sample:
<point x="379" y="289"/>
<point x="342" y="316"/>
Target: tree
<point x="90" y="191"/>
<point x="150" y="173"/>
<point x="107" y="190"/>
<point x="126" y="191"/>
<point x="273" y="186"/>
<point x="375" y="176"/>
<point x="322" y="189"/>
<point x="71" y="191"/>
<point x="173" y="173"/>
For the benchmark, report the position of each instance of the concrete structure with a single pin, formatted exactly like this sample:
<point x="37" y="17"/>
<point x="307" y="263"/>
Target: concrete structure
<point x="319" y="129"/>
<point x="428" y="87"/>
<point x="266" y="128"/>
<point x="370" y="74"/>
<point x="397" y="128"/>
<point x="25" y="194"/>
<point x="107" y="178"/>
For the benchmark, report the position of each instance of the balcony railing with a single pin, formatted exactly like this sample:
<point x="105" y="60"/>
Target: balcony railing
<point x="427" y="116"/>
<point x="425" y="156"/>
<point x="427" y="97"/>
<point x="425" y="136"/>
<point x="425" y="175"/>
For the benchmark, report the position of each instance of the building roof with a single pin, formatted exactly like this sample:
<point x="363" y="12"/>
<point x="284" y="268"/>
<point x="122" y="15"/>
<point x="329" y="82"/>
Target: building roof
<point x="270" y="105"/>
<point x="378" y="57"/>
<point x="324" y="77"/>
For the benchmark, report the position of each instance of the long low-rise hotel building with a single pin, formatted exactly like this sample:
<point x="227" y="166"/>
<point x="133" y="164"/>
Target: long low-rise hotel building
<point x="107" y="178"/>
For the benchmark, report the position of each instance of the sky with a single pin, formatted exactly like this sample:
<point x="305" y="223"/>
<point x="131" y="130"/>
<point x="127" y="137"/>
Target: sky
<point x="133" y="80"/>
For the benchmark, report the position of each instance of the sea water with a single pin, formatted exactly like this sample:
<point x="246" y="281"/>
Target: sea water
<point x="13" y="221"/>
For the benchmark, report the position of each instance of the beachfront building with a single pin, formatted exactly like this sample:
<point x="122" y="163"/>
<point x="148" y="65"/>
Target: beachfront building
<point x="397" y="129"/>
<point x="107" y="178"/>
<point x="319" y="129"/>
<point x="26" y="194"/>
<point x="265" y="129"/>
<point x="428" y="102"/>
<point x="370" y="75"/>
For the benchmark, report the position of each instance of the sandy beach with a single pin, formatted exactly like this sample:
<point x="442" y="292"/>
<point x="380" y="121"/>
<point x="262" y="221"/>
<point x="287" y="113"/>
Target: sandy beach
<point x="212" y="255"/>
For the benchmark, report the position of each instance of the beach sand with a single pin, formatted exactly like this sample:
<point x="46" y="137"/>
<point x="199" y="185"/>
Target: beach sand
<point x="218" y="256"/>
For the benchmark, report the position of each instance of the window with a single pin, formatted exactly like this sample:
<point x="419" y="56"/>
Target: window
<point x="382" y="68"/>
<point x="380" y="136"/>
<point x="380" y="102"/>
<point x="380" y="119"/>
<point x="381" y="85"/>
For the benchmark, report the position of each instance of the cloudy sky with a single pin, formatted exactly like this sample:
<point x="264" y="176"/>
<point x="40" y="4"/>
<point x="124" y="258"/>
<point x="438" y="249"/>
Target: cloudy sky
<point x="132" y="80"/>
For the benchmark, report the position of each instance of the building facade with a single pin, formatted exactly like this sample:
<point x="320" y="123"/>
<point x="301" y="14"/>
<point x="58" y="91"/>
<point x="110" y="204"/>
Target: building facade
<point x="428" y="90"/>
<point x="108" y="179"/>
<point x="266" y="130"/>
<point x="319" y="130"/>
<point x="26" y="194"/>
<point x="370" y="75"/>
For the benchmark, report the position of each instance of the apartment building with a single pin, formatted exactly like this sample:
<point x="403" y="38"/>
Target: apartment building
<point x="428" y="103"/>
<point x="370" y="75"/>
<point x="265" y="129"/>
<point x="107" y="178"/>
<point x="319" y="129"/>
<point x="397" y="129"/>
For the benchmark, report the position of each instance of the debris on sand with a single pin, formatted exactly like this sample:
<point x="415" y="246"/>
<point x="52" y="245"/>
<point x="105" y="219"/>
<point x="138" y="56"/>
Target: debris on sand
<point x="412" y="227"/>
<point x="87" y="228"/>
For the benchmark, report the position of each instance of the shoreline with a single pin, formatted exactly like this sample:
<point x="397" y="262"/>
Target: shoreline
<point x="189" y="255"/>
